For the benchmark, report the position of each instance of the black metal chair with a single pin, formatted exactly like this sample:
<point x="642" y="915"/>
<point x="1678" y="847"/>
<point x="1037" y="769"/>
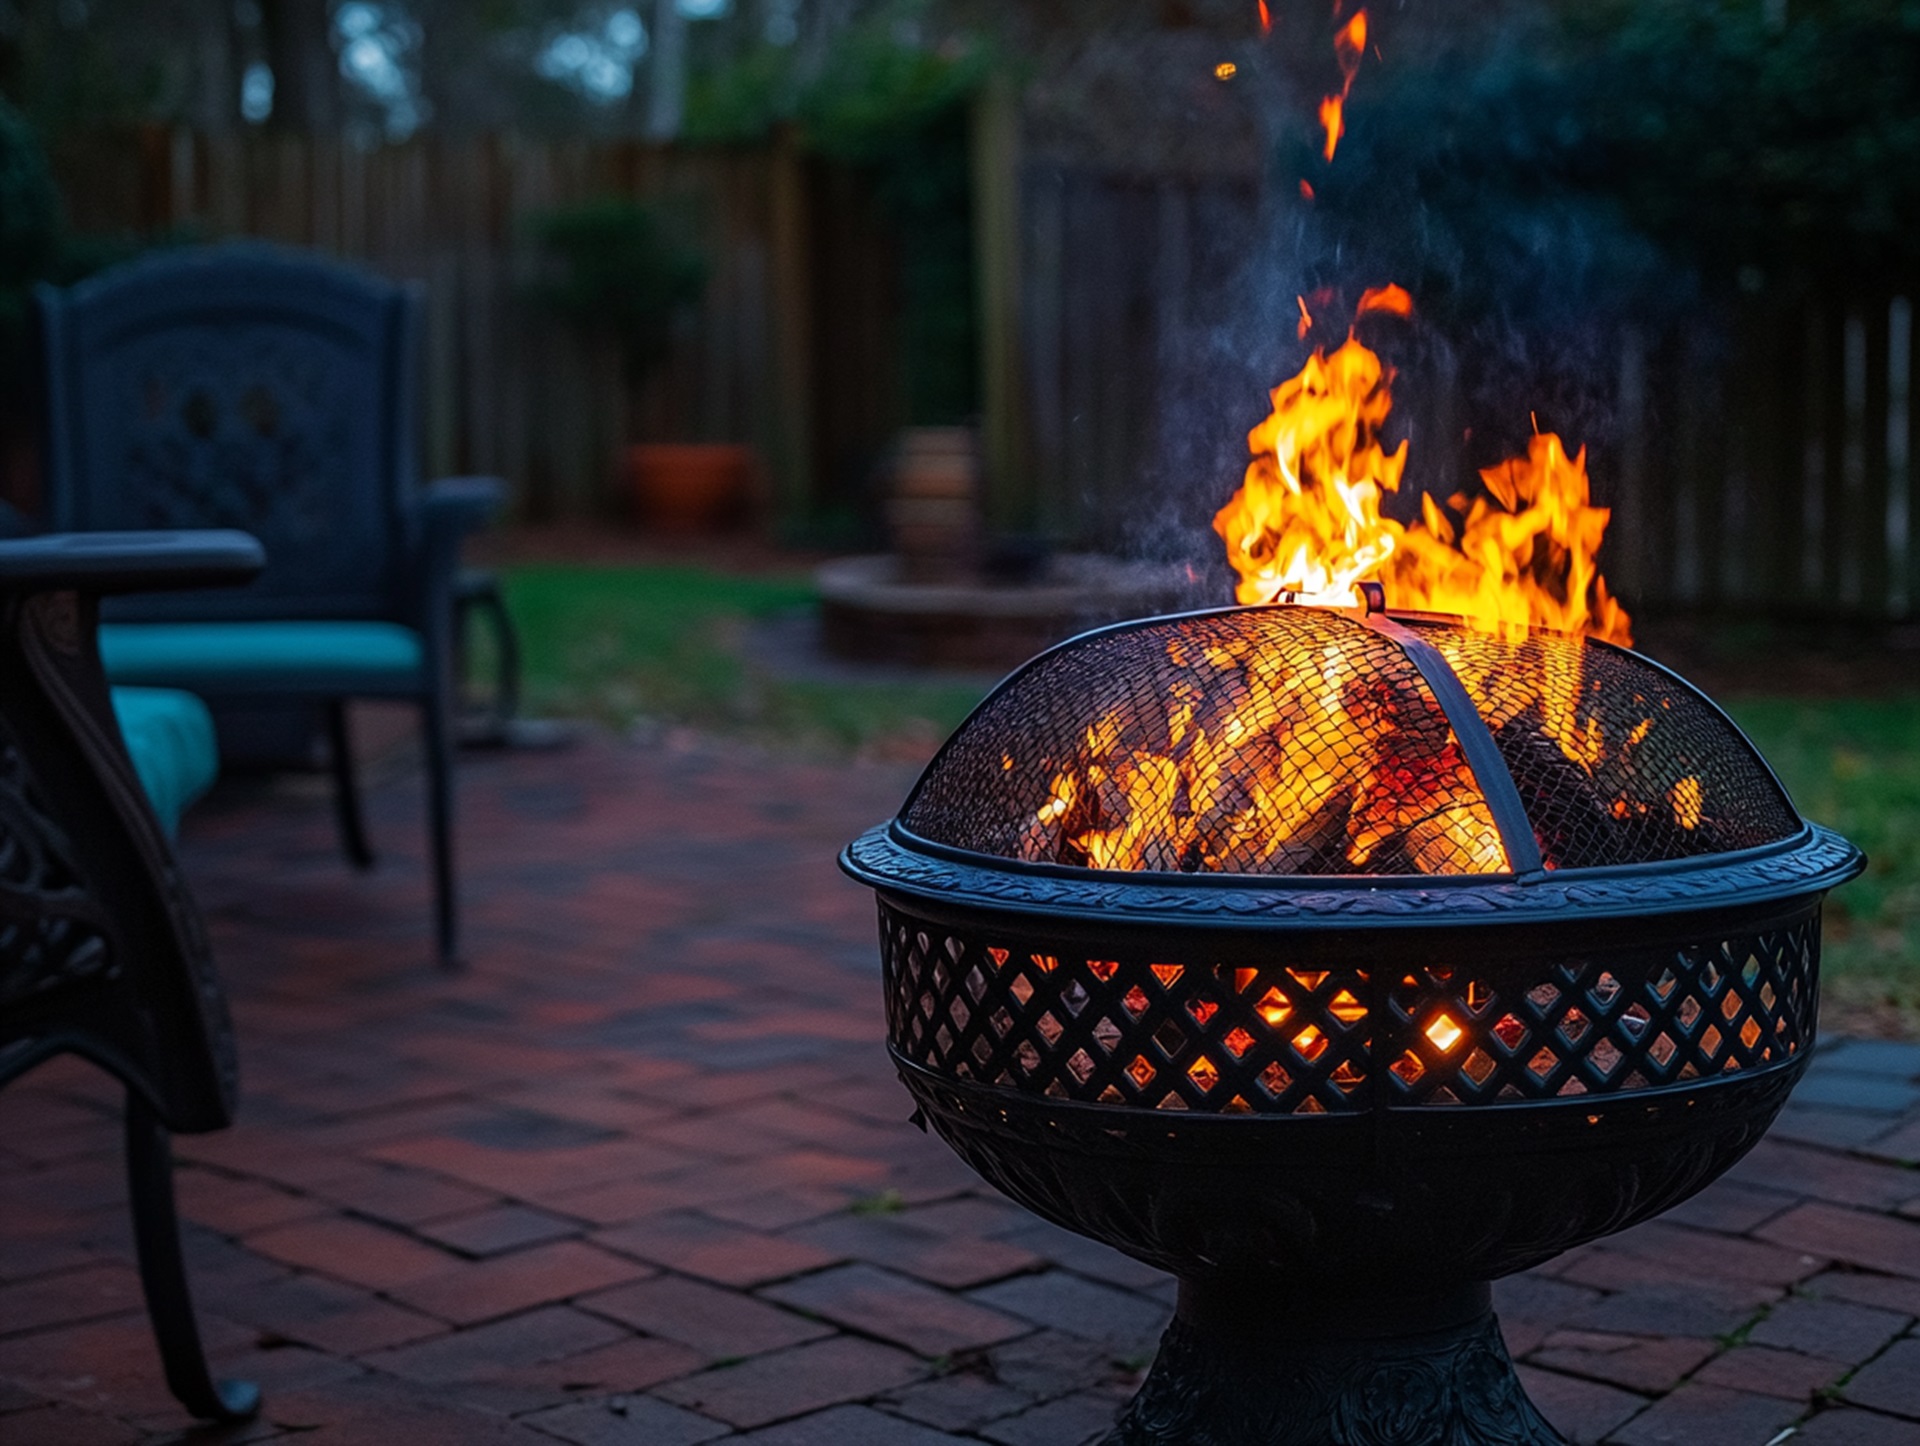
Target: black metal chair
<point x="255" y="387"/>
<point x="102" y="953"/>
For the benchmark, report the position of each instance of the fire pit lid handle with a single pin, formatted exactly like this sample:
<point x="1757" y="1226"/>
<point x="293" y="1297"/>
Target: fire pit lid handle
<point x="1476" y="743"/>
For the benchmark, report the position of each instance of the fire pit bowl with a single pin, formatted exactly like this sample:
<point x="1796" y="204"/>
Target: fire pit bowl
<point x="1339" y="964"/>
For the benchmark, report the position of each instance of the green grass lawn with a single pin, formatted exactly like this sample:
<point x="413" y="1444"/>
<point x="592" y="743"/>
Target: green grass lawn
<point x="619" y="644"/>
<point x="1854" y="765"/>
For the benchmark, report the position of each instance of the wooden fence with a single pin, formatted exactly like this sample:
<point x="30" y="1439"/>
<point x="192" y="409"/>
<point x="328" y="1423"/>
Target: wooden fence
<point x="1766" y="469"/>
<point x="509" y="389"/>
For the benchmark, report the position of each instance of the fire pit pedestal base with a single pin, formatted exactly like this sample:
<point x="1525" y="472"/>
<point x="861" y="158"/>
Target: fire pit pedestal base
<point x="1255" y="1366"/>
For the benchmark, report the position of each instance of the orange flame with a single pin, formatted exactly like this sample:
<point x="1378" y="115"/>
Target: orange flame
<point x="1306" y="525"/>
<point x="1388" y="298"/>
<point x="1266" y="19"/>
<point x="1349" y="44"/>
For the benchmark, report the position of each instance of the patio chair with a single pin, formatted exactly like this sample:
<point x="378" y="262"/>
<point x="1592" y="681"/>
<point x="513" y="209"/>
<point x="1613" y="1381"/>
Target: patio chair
<point x="102" y="953"/>
<point x="254" y="387"/>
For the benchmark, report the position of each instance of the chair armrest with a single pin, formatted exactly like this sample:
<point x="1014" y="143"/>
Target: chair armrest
<point x="110" y="562"/>
<point x="446" y="511"/>
<point x="467" y="502"/>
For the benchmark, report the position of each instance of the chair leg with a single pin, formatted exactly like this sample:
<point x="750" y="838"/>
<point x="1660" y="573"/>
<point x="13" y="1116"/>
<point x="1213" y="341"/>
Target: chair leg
<point x="163" y="1274"/>
<point x="439" y="749"/>
<point x="346" y="789"/>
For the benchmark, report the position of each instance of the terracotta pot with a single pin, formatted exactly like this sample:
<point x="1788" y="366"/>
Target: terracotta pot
<point x="690" y="486"/>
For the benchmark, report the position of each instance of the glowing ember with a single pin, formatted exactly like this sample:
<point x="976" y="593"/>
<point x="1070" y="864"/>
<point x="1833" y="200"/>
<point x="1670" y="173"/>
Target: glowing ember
<point x="1348" y="45"/>
<point x="1444" y="1033"/>
<point x="1225" y="70"/>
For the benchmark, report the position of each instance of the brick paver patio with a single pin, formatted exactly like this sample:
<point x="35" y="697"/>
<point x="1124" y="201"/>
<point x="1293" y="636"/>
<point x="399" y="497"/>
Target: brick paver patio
<point x="641" y="1174"/>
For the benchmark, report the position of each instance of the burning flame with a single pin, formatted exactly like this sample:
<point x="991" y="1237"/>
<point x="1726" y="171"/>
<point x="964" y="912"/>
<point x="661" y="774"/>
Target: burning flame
<point x="1349" y="44"/>
<point x="1306" y="525"/>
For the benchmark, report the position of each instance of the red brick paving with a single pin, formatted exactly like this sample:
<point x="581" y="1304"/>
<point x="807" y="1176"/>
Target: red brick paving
<point x="641" y="1177"/>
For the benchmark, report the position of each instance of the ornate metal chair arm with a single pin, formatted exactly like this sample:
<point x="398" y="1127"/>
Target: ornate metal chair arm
<point x="111" y="562"/>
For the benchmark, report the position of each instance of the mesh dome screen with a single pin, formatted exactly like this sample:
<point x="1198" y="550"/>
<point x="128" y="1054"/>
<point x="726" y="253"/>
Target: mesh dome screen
<point x="1301" y="741"/>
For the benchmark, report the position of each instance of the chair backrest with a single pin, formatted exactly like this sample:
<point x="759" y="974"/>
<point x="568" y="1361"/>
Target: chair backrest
<point x="247" y="386"/>
<point x="102" y="952"/>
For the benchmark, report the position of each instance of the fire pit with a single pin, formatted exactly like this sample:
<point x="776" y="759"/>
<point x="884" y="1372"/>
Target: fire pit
<point x="1340" y="962"/>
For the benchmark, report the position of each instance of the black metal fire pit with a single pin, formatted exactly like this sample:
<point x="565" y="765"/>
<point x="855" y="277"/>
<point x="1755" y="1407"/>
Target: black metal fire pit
<point x="1340" y="965"/>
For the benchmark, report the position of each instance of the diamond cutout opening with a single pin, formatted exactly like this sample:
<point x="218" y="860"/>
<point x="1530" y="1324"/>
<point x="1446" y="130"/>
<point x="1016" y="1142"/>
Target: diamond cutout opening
<point x="1074" y="998"/>
<point x="1080" y="1066"/>
<point x="1604" y="1058"/>
<point x="1106" y="1034"/>
<point x="1275" y="1080"/>
<point x="1309" y="1044"/>
<point x="1141" y="1071"/>
<point x="1167" y="974"/>
<point x="1202" y="1010"/>
<point x="1273" y="1008"/>
<point x="1002" y="1022"/>
<point x="1236" y="1106"/>
<point x="1689" y="1014"/>
<point x="982" y="1051"/>
<point x="1543" y="1063"/>
<point x="1750" y="1033"/>
<point x="961" y="1014"/>
<point x="976" y="983"/>
<point x="999" y="957"/>
<point x="1169" y="1038"/>
<point x="1710" y="1041"/>
<point x="1662" y="1050"/>
<point x="1045" y="963"/>
<point x="1605" y="990"/>
<point x="1345" y="1008"/>
<point x="1664" y="986"/>
<point x="1348" y="1076"/>
<point x="1543" y="997"/>
<point x="1479" y="1066"/>
<point x="1050" y="1027"/>
<point x="1021" y="988"/>
<point x="1103" y="969"/>
<point x="1408" y="1068"/>
<point x="1573" y="1027"/>
<point x="1510" y="1031"/>
<point x="1135" y="999"/>
<point x="1238" y="1042"/>
<point x="1730" y="1006"/>
<point x="1027" y="1056"/>
<point x="1311" y="1106"/>
<point x="1312" y="979"/>
<point x="1203" y="1074"/>
<point x="1243" y="979"/>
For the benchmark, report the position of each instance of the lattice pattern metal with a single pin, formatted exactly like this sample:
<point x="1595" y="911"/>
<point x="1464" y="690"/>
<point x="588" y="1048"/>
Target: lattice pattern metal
<point x="1616" y="762"/>
<point x="1195" y="1034"/>
<point x="1274" y="741"/>
<point x="1301" y="741"/>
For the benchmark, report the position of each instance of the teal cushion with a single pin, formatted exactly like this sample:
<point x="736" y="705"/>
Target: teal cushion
<point x="170" y="735"/>
<point x="266" y="658"/>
